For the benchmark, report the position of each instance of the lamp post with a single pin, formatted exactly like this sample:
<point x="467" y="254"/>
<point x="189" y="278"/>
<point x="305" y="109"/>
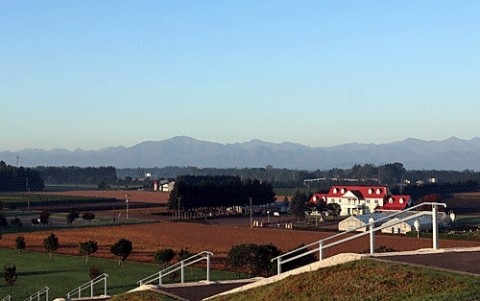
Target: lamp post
<point x="452" y="217"/>
<point x="416" y="224"/>
<point x="371" y="222"/>
<point x="126" y="201"/>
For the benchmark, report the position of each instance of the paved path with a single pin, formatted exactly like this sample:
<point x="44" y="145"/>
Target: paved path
<point x="459" y="261"/>
<point x="200" y="292"/>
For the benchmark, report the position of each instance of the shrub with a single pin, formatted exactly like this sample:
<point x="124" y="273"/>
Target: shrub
<point x="252" y="259"/>
<point x="51" y="243"/>
<point x="95" y="272"/>
<point x="10" y="274"/>
<point x="87" y="248"/>
<point x="20" y="243"/>
<point x="164" y="256"/>
<point x="122" y="249"/>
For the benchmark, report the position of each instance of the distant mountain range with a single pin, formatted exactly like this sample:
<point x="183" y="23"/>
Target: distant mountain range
<point x="449" y="154"/>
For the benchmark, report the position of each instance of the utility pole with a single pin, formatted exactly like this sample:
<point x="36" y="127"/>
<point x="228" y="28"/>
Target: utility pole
<point x="28" y="197"/>
<point x="178" y="200"/>
<point x="251" y="213"/>
<point x="126" y="201"/>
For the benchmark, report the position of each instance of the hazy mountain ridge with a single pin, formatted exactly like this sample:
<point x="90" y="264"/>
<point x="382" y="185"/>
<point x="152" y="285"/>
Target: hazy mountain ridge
<point x="452" y="153"/>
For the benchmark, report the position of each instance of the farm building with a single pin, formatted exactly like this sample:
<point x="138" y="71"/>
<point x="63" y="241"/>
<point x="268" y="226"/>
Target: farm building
<point x="394" y="226"/>
<point x="353" y="222"/>
<point x="359" y="200"/>
<point x="425" y="223"/>
<point x="167" y="186"/>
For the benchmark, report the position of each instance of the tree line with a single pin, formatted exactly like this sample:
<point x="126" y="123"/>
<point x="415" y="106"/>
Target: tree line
<point x="78" y="175"/>
<point x="19" y="179"/>
<point x="385" y="174"/>
<point x="191" y="192"/>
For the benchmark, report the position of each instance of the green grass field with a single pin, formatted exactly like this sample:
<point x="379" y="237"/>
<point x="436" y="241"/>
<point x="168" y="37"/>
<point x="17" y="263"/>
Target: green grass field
<point x="65" y="273"/>
<point x="17" y="200"/>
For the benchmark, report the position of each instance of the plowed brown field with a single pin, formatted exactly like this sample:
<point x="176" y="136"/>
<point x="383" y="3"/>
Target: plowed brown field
<point x="148" y="238"/>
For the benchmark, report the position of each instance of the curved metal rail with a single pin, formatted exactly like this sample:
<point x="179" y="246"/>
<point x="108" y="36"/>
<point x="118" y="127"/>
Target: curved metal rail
<point x="204" y="255"/>
<point x="321" y="244"/>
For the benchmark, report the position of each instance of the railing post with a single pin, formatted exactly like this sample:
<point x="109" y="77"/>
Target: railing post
<point x="160" y="278"/>
<point x="435" y="226"/>
<point x="91" y="288"/>
<point x="208" y="267"/>
<point x="182" y="274"/>
<point x="279" y="265"/>
<point x="371" y="222"/>
<point x="105" y="287"/>
<point x="320" y="251"/>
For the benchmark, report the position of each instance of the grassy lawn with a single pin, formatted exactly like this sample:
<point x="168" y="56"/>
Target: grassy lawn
<point x="462" y="219"/>
<point x="32" y="199"/>
<point x="58" y="221"/>
<point x="65" y="273"/>
<point x="368" y="280"/>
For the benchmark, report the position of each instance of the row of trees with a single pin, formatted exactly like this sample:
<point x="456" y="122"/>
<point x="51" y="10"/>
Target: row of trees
<point x="389" y="174"/>
<point x="44" y="218"/>
<point x="192" y="192"/>
<point x="445" y="189"/>
<point x="19" y="179"/>
<point x="78" y="175"/>
<point x="121" y="249"/>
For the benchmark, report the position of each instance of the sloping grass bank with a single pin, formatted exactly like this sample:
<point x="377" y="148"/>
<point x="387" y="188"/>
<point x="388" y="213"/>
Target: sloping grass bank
<point x="368" y="280"/>
<point x="64" y="273"/>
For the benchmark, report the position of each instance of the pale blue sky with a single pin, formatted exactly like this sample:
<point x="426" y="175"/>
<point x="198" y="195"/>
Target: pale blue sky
<point x="93" y="74"/>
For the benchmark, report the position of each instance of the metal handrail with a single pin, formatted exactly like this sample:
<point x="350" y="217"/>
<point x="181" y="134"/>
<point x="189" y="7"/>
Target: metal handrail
<point x="38" y="294"/>
<point x="7" y="298"/>
<point x="90" y="285"/>
<point x="204" y="255"/>
<point x="320" y="243"/>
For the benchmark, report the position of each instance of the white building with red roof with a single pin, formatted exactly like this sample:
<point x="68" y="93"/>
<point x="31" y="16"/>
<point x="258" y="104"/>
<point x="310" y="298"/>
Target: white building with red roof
<point x="357" y="200"/>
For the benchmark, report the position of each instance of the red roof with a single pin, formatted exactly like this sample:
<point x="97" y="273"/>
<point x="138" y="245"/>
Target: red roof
<point x="396" y="202"/>
<point x="361" y="192"/>
<point x="391" y="202"/>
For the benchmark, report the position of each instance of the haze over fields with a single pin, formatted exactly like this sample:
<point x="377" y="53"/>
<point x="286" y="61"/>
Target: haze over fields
<point x="449" y="154"/>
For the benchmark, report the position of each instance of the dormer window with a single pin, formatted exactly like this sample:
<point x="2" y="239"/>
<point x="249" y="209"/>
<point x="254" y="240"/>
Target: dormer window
<point x="335" y="190"/>
<point x="379" y="191"/>
<point x="370" y="191"/>
<point x="343" y="190"/>
<point x="401" y="201"/>
<point x="390" y="200"/>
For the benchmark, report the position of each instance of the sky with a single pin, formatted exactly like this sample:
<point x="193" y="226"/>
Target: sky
<point x="93" y="74"/>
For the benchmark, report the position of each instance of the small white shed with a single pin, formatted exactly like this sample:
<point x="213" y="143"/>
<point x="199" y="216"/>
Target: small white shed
<point x="361" y="221"/>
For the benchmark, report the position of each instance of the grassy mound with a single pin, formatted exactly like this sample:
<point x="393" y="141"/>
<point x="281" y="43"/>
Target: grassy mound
<point x="368" y="280"/>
